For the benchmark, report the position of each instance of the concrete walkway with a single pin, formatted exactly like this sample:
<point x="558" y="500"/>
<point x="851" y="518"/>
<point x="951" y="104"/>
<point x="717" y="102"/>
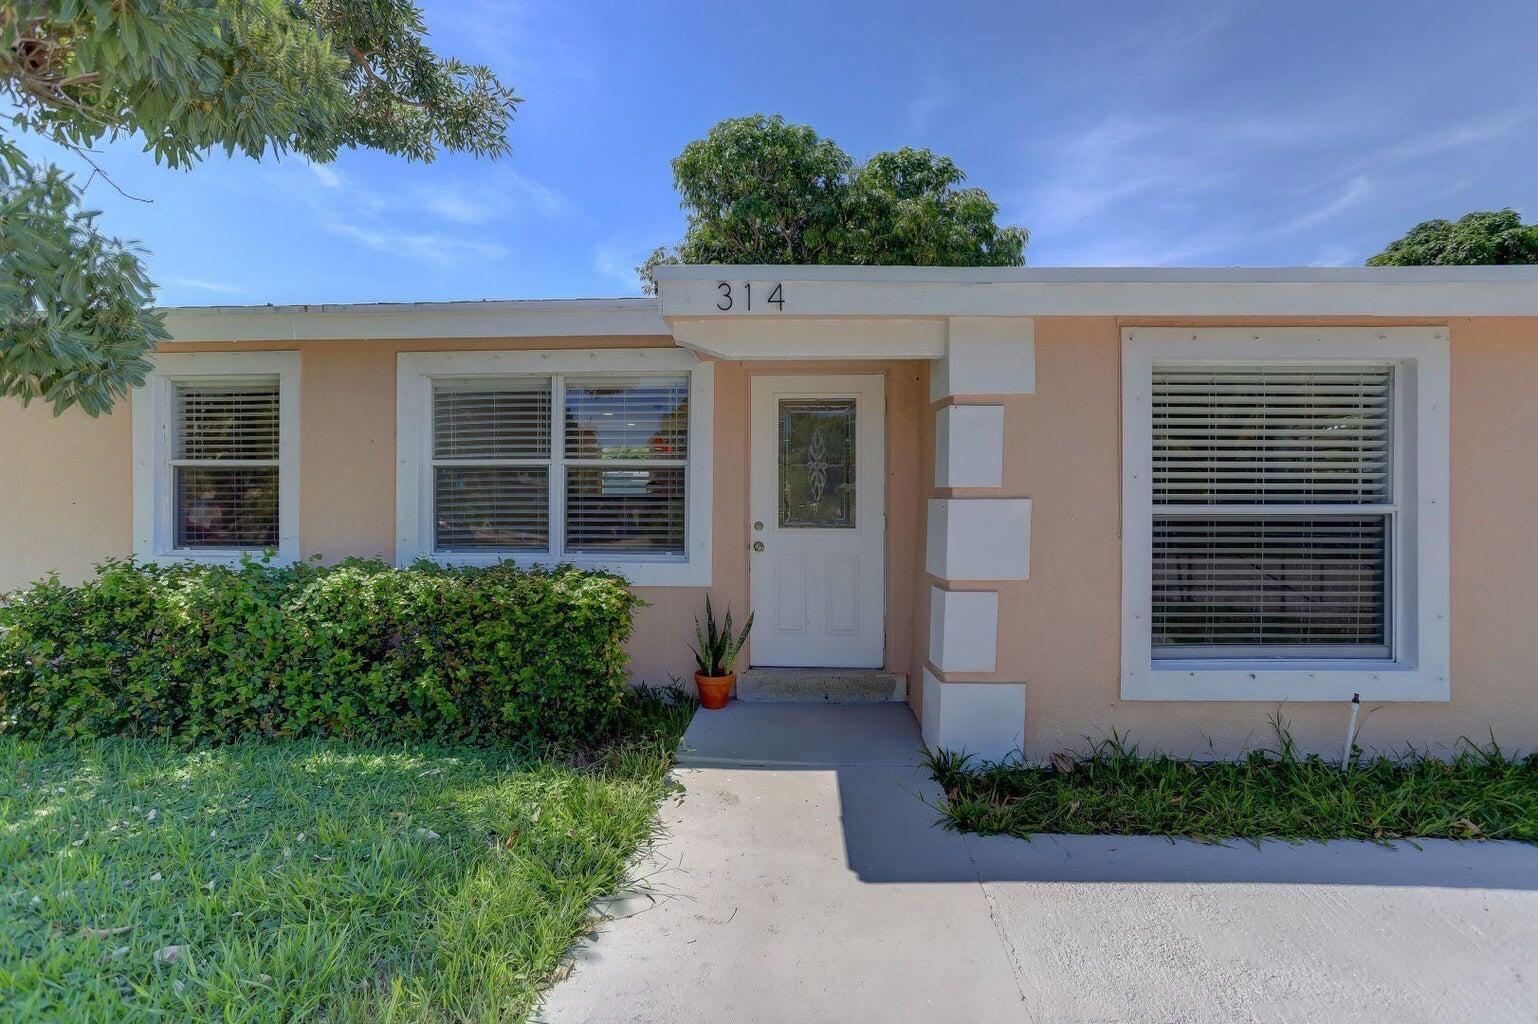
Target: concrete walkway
<point x="801" y="878"/>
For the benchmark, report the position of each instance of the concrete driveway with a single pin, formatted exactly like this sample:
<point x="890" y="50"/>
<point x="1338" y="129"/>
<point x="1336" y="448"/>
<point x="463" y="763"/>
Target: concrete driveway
<point x="801" y="878"/>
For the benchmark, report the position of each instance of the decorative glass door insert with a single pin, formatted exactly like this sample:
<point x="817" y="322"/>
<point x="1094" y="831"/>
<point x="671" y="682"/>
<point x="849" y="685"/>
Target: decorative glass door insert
<point x="817" y="463"/>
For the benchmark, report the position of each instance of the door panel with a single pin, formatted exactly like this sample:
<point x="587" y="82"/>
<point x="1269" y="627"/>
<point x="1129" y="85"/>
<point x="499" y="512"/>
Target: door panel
<point x="818" y="490"/>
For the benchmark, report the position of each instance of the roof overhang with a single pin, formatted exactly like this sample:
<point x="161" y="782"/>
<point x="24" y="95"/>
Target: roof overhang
<point x="819" y="292"/>
<point x="540" y="318"/>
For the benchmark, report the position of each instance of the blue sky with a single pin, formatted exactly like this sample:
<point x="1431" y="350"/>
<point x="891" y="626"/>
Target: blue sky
<point x="1192" y="132"/>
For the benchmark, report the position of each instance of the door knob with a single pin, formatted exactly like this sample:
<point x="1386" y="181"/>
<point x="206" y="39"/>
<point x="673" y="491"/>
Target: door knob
<point x="758" y="545"/>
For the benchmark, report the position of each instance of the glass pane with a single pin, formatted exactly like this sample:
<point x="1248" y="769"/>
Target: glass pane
<point x="228" y="420"/>
<point x="627" y="417"/>
<point x="492" y="419"/>
<point x="639" y="510"/>
<point x="1229" y="586"/>
<point x="817" y="463"/>
<point x="226" y="508"/>
<point x="492" y="508"/>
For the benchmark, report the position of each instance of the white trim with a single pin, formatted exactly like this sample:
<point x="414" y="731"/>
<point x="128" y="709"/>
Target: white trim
<point x="690" y="291"/>
<point x="986" y="720"/>
<point x="986" y="356"/>
<point x="413" y="495"/>
<point x="969" y="446"/>
<point x="539" y="318"/>
<point x="963" y="630"/>
<point x="807" y="338"/>
<point x="979" y="539"/>
<point x="1420" y="599"/>
<point x="151" y="404"/>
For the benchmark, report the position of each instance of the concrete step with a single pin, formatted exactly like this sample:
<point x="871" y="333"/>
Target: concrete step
<point x="825" y="685"/>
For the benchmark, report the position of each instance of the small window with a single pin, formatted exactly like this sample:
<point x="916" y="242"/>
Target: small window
<point x="567" y="464"/>
<point x="225" y="464"/>
<point x="216" y="471"/>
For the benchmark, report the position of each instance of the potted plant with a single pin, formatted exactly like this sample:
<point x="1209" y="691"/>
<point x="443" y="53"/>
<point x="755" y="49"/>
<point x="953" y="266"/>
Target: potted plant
<point x="715" y="655"/>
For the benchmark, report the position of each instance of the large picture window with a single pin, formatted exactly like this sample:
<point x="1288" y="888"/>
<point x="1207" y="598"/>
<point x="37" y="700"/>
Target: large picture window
<point x="1273" y="499"/>
<point x="594" y="460"/>
<point x="1284" y="514"/>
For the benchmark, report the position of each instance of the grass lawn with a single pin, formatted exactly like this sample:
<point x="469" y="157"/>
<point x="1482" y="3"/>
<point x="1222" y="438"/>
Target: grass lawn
<point x="1113" y="791"/>
<point x="309" y="880"/>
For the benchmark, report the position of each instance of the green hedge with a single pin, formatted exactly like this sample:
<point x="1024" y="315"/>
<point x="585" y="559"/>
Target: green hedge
<point x="357" y="650"/>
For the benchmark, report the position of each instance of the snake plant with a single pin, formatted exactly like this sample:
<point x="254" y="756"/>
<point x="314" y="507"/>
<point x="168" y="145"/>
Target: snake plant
<point x="716" y="648"/>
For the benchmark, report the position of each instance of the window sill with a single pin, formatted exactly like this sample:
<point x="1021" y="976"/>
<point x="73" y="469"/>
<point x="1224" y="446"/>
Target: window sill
<point x="641" y="572"/>
<point x="1266" y="680"/>
<point x="220" y="556"/>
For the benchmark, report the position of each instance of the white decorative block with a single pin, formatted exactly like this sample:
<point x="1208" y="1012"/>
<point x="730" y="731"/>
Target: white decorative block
<point x="969" y="446"/>
<point x="963" y="630"/>
<point x="986" y="720"/>
<point x="986" y="355"/>
<point x="979" y="538"/>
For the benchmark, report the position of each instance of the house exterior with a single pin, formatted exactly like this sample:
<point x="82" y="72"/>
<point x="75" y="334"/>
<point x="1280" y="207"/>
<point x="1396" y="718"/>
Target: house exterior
<point x="1059" y="503"/>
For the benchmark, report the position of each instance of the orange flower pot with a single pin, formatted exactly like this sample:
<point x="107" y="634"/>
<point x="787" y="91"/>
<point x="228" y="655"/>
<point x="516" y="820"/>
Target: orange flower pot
<point x="715" y="691"/>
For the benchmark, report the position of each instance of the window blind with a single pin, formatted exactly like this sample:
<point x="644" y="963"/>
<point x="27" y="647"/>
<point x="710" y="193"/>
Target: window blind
<point x="627" y="417"/>
<point x="1304" y="456"/>
<point x="636" y="510"/>
<point x="1263" y="435"/>
<point x="224" y="464"/>
<point x="483" y="508"/>
<point x="230" y="420"/>
<point x="504" y="419"/>
<point x="1270" y="582"/>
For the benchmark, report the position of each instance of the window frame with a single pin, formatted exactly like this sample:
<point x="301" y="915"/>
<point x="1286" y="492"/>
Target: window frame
<point x="154" y="414"/>
<point x="414" y="516"/>
<point x="1417" y="668"/>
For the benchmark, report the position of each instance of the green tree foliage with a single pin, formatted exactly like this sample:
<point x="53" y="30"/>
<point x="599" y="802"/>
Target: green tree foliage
<point x="759" y="190"/>
<point x="308" y="77"/>
<point x="1485" y="238"/>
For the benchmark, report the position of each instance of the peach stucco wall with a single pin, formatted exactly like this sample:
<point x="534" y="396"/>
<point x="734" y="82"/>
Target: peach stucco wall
<point x="1059" y="630"/>
<point x="67" y="504"/>
<point x="72" y="504"/>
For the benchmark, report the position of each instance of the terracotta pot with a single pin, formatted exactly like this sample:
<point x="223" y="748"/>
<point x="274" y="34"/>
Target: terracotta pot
<point x="714" y="690"/>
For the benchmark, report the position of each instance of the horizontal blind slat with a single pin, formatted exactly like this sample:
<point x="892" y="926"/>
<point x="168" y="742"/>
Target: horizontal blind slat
<point x="1260" y="435"/>
<point x="627" y="417"/>
<point x="634" y="510"/>
<point x="1258" y="581"/>
<point x="491" y="508"/>
<point x="236" y="419"/>
<point x="486" y="419"/>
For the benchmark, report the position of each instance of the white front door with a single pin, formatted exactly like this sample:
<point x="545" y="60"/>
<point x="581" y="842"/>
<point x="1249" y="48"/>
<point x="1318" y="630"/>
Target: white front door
<point x="818" y="527"/>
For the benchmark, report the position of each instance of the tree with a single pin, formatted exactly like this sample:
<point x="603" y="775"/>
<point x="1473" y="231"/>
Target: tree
<point x="758" y="190"/>
<point x="1485" y="238"/>
<point x="307" y="77"/>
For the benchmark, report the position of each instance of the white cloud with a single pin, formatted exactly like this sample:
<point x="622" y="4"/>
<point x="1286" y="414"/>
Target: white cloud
<point x="616" y="262"/>
<point x="199" y="284"/>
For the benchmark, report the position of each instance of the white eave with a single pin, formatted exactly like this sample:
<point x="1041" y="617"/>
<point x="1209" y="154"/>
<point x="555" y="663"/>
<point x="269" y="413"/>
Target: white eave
<point x="901" y="310"/>
<point x="516" y="318"/>
<point x="691" y="292"/>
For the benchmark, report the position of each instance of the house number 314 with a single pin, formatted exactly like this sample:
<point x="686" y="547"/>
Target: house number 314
<point x="729" y="296"/>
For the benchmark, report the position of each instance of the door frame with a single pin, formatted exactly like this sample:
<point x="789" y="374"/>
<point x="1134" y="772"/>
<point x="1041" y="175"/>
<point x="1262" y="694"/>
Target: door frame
<point x="869" y="389"/>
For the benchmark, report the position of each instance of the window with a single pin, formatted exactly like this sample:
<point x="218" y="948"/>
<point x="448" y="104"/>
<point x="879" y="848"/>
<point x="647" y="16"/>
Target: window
<point x="215" y="439"/>
<point x="597" y="458"/>
<point x="1285" y="514"/>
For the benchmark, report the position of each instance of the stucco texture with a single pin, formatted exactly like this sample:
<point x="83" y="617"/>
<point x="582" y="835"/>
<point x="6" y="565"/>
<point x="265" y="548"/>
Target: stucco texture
<point x="1059" y="630"/>
<point x="70" y="503"/>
